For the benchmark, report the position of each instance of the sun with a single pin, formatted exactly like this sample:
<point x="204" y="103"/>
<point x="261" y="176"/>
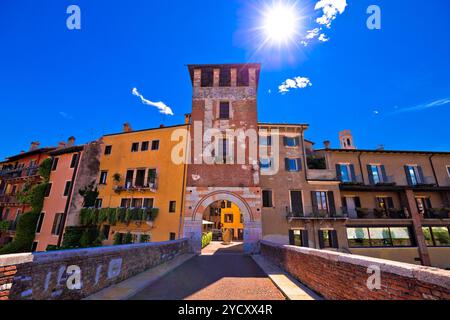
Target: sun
<point x="281" y="23"/>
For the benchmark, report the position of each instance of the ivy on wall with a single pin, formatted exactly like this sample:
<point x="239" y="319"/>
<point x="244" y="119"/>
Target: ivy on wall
<point x="26" y="226"/>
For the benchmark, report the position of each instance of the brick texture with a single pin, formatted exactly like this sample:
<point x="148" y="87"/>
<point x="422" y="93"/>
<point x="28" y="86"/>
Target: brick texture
<point x="45" y="278"/>
<point x="339" y="276"/>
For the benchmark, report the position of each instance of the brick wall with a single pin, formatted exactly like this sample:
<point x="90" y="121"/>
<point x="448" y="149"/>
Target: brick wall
<point x="44" y="276"/>
<point x="338" y="276"/>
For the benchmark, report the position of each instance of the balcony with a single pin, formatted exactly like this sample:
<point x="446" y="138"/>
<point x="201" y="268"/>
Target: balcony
<point x="321" y="175"/>
<point x="354" y="181"/>
<point x="427" y="182"/>
<point x="19" y="173"/>
<point x="129" y="187"/>
<point x="309" y="213"/>
<point x="443" y="213"/>
<point x="9" y="200"/>
<point x="377" y="213"/>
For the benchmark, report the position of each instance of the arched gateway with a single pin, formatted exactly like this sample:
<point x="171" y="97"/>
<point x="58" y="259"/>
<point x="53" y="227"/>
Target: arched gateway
<point x="247" y="199"/>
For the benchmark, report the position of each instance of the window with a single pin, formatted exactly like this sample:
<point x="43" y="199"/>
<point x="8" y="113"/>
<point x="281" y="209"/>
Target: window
<point x="13" y="190"/>
<point x="229" y="204"/>
<point x="265" y="141"/>
<point x="267" y="199"/>
<point x="135" y="147"/>
<point x="55" y="164"/>
<point x="328" y="239"/>
<point x="172" y="206"/>
<point x="74" y="161"/>
<point x="172" y="236"/>
<point x="345" y="172"/>
<point x="155" y="145"/>
<point x="423" y="205"/>
<point x="291" y="142"/>
<point x="148" y="203"/>
<point x="151" y="179"/>
<point x="136" y="203"/>
<point x="103" y="177"/>
<point x="58" y="224"/>
<point x="40" y="222"/>
<point x="298" y="238"/>
<point x="140" y="178"/>
<point x="67" y="188"/>
<point x="414" y="175"/>
<point x="266" y="164"/>
<point x="125" y="203"/>
<point x="34" y="246"/>
<point x="228" y="218"/>
<point x="145" y="145"/>
<point x="293" y="165"/>
<point x="320" y="202"/>
<point x="48" y="190"/>
<point x="224" y="112"/>
<point x="448" y="170"/>
<point x="377" y="174"/>
<point x="108" y="150"/>
<point x="129" y="179"/>
<point x="98" y="203"/>
<point x="437" y="236"/>
<point x="296" y="203"/>
<point x="223" y="150"/>
<point x="380" y="237"/>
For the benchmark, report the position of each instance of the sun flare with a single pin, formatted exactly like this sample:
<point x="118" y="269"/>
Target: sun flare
<point x="281" y="23"/>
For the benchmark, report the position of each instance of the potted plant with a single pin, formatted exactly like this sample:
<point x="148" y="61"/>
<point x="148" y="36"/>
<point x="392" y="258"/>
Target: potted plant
<point x="362" y="212"/>
<point x="379" y="213"/>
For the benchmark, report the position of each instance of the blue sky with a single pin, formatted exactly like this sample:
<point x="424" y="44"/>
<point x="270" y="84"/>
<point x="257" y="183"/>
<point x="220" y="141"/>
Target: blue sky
<point x="55" y="83"/>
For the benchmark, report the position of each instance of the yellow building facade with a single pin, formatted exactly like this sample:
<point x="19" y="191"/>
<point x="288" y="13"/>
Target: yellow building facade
<point x="231" y="218"/>
<point x="137" y="172"/>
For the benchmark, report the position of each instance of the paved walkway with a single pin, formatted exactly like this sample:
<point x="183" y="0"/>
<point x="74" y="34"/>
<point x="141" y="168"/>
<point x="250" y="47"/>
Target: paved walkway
<point x="221" y="273"/>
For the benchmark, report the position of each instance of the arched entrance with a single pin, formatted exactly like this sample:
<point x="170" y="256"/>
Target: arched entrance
<point x="199" y="201"/>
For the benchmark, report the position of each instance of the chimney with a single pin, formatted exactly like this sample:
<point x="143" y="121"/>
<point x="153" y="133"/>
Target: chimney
<point x="162" y="126"/>
<point x="127" y="127"/>
<point x="61" y="145"/>
<point x="187" y="118"/>
<point x="71" y="141"/>
<point x="380" y="147"/>
<point x="34" y="145"/>
<point x="327" y="144"/>
<point x="346" y="140"/>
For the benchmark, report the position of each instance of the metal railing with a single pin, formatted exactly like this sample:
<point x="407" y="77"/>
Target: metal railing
<point x="377" y="213"/>
<point x="309" y="212"/>
<point x="150" y="185"/>
<point x="19" y="172"/>
<point x="437" y="213"/>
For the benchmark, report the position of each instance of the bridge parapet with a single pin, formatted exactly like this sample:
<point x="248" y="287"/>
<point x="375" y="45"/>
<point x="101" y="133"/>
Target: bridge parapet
<point x="340" y="276"/>
<point x="77" y="274"/>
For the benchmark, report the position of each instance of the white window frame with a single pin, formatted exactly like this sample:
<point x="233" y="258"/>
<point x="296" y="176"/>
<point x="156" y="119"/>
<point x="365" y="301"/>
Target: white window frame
<point x="448" y="170"/>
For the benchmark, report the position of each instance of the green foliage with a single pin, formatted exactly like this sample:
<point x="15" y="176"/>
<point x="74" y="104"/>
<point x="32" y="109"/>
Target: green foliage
<point x="72" y="237"/>
<point x="128" y="239"/>
<point x="117" y="177"/>
<point x="118" y="239"/>
<point x="25" y="233"/>
<point x="52" y="248"/>
<point x="90" y="195"/>
<point x="4" y="226"/>
<point x="112" y="217"/>
<point x="45" y="169"/>
<point x="316" y="163"/>
<point x="206" y="239"/>
<point x="145" y="238"/>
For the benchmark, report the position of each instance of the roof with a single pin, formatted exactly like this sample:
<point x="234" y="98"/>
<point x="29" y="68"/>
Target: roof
<point x="28" y="154"/>
<point x="66" y="150"/>
<point x="387" y="151"/>
<point x="143" y="130"/>
<point x="304" y="125"/>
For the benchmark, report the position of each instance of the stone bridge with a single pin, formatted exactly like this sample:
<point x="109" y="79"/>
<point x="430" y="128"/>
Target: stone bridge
<point x="169" y="271"/>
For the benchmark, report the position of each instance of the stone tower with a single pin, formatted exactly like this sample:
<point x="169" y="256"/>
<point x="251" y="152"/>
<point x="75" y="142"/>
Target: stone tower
<point x="346" y="140"/>
<point x="225" y="167"/>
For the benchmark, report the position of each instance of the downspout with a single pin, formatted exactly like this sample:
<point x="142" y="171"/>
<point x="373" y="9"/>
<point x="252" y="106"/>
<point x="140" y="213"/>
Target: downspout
<point x="361" y="168"/>
<point x="69" y="199"/>
<point x="188" y="152"/>
<point x="434" y="170"/>
<point x="304" y="153"/>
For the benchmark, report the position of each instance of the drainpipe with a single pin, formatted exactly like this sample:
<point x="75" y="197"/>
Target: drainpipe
<point x="361" y="168"/>
<point x="188" y="152"/>
<point x="304" y="154"/>
<point x="434" y="170"/>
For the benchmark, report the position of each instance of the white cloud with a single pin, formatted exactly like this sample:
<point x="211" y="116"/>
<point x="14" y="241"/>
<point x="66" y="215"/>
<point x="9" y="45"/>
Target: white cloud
<point x="295" y="83"/>
<point x="330" y="10"/>
<point x="65" y="115"/>
<point x="162" y="107"/>
<point x="424" y="106"/>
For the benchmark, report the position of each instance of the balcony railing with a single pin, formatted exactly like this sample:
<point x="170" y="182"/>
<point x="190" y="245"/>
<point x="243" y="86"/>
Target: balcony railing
<point x="356" y="180"/>
<point x="377" y="213"/>
<point x="443" y="213"/>
<point x="9" y="199"/>
<point x="427" y="181"/>
<point x="19" y="172"/>
<point x="310" y="212"/>
<point x="322" y="174"/>
<point x="150" y="186"/>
